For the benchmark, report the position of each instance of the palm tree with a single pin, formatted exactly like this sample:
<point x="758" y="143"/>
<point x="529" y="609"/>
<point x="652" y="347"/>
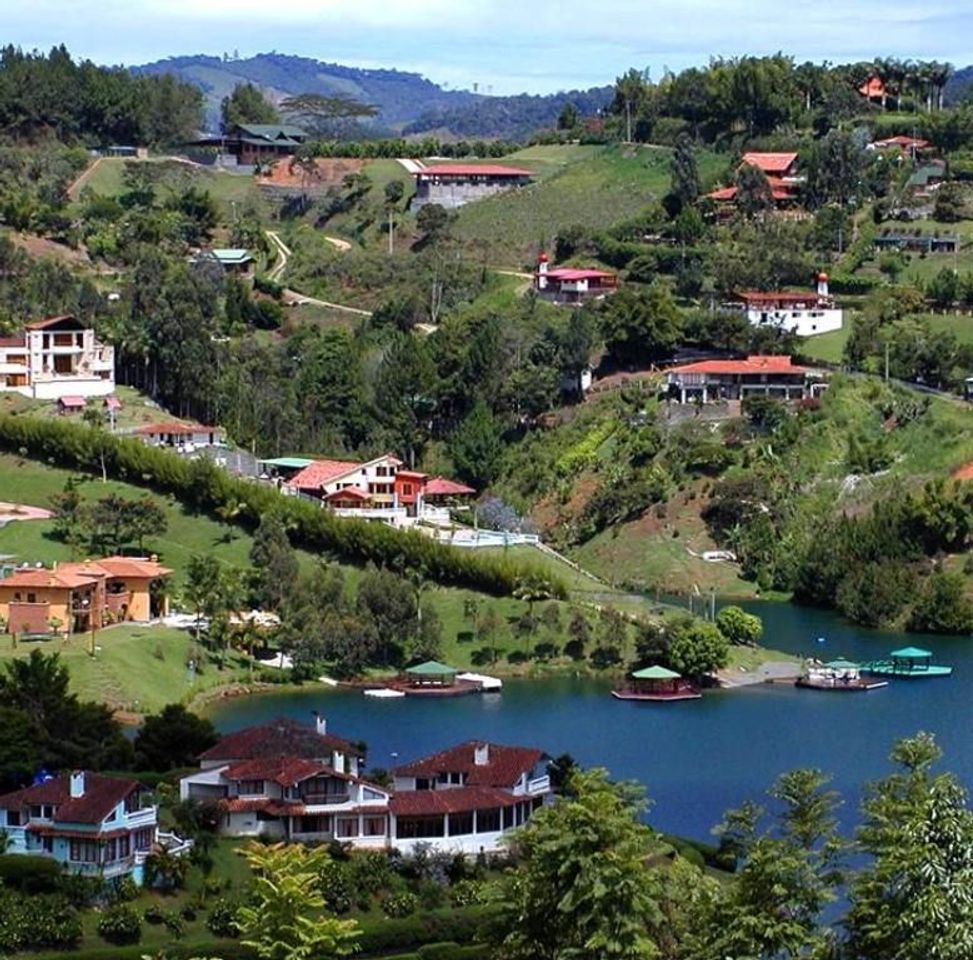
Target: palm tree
<point x="532" y="590"/>
<point x="939" y="75"/>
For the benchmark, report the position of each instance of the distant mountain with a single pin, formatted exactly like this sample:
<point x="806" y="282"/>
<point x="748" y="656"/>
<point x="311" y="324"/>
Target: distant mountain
<point x="959" y="85"/>
<point x="405" y="100"/>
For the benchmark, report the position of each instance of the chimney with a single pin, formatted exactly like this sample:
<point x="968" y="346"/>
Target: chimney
<point x="77" y="784"/>
<point x="320" y="723"/>
<point x="542" y="272"/>
<point x="822" y="285"/>
<point x="481" y="754"/>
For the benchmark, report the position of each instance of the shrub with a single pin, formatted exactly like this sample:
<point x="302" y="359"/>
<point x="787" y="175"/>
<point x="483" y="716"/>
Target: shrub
<point x="467" y="892"/>
<point x="221" y="921"/>
<point x="153" y="914"/>
<point x="124" y="890"/>
<point x="402" y="905"/>
<point x="28" y="874"/>
<point x="120" y="925"/>
<point x="438" y="951"/>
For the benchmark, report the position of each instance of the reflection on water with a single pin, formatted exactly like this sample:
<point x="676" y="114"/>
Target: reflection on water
<point x="696" y="758"/>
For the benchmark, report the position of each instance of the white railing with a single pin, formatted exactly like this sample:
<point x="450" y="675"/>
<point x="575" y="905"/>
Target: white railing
<point x="145" y="817"/>
<point x="539" y="785"/>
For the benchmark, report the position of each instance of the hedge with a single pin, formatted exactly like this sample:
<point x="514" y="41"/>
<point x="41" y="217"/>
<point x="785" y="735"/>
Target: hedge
<point x="203" y="486"/>
<point x="29" y="874"/>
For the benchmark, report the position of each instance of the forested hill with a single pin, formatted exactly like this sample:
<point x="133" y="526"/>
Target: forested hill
<point x="404" y="99"/>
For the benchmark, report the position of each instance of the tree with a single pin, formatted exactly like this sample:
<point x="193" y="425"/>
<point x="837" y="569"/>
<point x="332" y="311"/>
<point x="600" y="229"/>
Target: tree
<point x="739" y="627"/>
<point x="581" y="887"/>
<point x="914" y="900"/>
<point x="274" y="561"/>
<point x="246" y="104"/>
<point x="754" y="196"/>
<point x="697" y="648"/>
<point x="641" y="327"/>
<point x="476" y="447"/>
<point x="434" y="220"/>
<point x="685" y="184"/>
<point x="943" y="606"/>
<point x="950" y="203"/>
<point x="172" y="738"/>
<point x="324" y="114"/>
<point x="283" y="919"/>
<point x="785" y="877"/>
<point x="567" y="119"/>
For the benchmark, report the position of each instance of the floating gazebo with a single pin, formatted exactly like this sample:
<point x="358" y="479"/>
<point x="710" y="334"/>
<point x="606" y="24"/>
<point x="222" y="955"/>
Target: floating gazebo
<point x="657" y="684"/>
<point x="907" y="662"/>
<point x="431" y="674"/>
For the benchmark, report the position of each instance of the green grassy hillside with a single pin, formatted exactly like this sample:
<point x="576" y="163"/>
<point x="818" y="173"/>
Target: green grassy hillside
<point x="592" y="187"/>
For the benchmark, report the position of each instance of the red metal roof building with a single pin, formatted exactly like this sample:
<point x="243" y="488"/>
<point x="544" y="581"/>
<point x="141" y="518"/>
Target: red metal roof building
<point x="707" y="380"/>
<point x="572" y="285"/>
<point x="454" y="184"/>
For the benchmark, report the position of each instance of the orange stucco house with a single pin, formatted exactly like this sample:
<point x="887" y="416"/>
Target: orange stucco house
<point x="76" y="597"/>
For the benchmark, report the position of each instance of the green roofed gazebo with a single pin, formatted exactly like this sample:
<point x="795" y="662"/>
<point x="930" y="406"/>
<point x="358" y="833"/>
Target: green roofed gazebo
<point x="656" y="683"/>
<point x="432" y="673"/>
<point x="908" y="662"/>
<point x="912" y="653"/>
<point x="841" y="664"/>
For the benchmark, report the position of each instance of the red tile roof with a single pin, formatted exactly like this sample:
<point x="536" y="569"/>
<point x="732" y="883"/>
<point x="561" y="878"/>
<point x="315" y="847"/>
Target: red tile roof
<point x="179" y="429"/>
<point x="756" y="364"/>
<point x="778" y="296"/>
<point x="417" y="803"/>
<point x="472" y="169"/>
<point x="906" y="143"/>
<point x="571" y="274"/>
<point x="50" y="322"/>
<point x="440" y="486"/>
<point x="71" y="401"/>
<point x="778" y="163"/>
<point x="316" y="475"/>
<point x="778" y="191"/>
<point x="287" y="771"/>
<point x="70" y="576"/>
<point x="355" y="492"/>
<point x="101" y="796"/>
<point x="281" y="738"/>
<point x="277" y="808"/>
<point x="872" y="87"/>
<point x="504" y="766"/>
<point x="113" y="403"/>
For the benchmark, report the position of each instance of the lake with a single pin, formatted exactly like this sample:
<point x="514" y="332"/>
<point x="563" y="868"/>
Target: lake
<point x="695" y="758"/>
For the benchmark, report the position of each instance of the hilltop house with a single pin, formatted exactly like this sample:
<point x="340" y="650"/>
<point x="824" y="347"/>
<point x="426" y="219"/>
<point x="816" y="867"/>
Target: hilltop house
<point x="804" y="314"/>
<point x="377" y="490"/>
<point x="183" y="435"/>
<point x="571" y="284"/>
<point x="453" y="184"/>
<point x="91" y="824"/>
<point x="54" y="358"/>
<point x="781" y="172"/>
<point x="249" y="144"/>
<point x="289" y="781"/>
<point x="78" y="597"/>
<point x="772" y="376"/>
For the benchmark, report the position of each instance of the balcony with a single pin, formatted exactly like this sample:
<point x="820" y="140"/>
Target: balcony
<point x="326" y="799"/>
<point x="146" y="817"/>
<point x="539" y="785"/>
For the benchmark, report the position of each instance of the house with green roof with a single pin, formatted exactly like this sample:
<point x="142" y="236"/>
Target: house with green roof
<point x="256" y="143"/>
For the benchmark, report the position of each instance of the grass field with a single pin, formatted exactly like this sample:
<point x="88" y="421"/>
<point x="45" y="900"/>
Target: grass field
<point x="828" y="346"/>
<point x="136" y="409"/>
<point x="592" y="187"/>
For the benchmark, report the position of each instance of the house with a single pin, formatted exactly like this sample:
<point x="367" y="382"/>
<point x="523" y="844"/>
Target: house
<point x="379" y="489"/>
<point x="184" y="436"/>
<point x="926" y="179"/>
<point x="232" y="259"/>
<point x="466" y="798"/>
<point x="290" y="781"/>
<point x="91" y="824"/>
<point x="282" y="469"/>
<point x="70" y="404"/>
<point x="54" y="358"/>
<point x="918" y="242"/>
<point x="772" y="376"/>
<point x="904" y="144"/>
<point x="782" y="176"/>
<point x="453" y="184"/>
<point x="78" y="597"/>
<point x="249" y="144"/>
<point x="804" y="314"/>
<point x="571" y="284"/>
<point x="874" y="89"/>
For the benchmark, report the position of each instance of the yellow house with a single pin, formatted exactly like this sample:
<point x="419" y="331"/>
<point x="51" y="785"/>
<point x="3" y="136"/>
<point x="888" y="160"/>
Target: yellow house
<point x="76" y="597"/>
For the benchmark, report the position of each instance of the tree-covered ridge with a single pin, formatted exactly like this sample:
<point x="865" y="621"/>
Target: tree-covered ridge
<point x="52" y="96"/>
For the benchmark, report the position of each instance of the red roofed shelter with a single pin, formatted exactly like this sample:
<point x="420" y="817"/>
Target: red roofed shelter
<point x="735" y="379"/>
<point x="572" y="284"/>
<point x="453" y="184"/>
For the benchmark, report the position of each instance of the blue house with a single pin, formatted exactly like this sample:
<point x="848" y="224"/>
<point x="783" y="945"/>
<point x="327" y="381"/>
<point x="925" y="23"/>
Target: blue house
<point x="92" y="824"/>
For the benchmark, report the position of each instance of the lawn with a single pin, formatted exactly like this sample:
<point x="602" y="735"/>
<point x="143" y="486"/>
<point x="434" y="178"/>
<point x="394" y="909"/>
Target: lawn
<point x="136" y="669"/>
<point x="828" y="347"/>
<point x="592" y="187"/>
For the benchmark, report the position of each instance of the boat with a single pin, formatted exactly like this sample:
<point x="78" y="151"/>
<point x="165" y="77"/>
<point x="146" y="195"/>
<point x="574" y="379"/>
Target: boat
<point x="384" y="693"/>
<point x="657" y="684"/>
<point x="909" y="662"/>
<point x="485" y="683"/>
<point x="841" y="675"/>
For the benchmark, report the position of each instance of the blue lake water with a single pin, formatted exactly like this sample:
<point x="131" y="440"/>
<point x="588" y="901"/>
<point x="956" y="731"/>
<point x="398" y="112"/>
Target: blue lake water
<point x="695" y="758"/>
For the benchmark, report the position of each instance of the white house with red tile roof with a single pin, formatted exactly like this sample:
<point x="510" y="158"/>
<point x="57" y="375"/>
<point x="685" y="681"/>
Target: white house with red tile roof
<point x="707" y="380"/>
<point x="781" y="172"/>
<point x="572" y="285"/>
<point x="454" y="184"/>
<point x="295" y="782"/>
<point x="91" y="824"/>
<point x="171" y="433"/>
<point x="55" y="358"/>
<point x="803" y="314"/>
<point x="379" y="489"/>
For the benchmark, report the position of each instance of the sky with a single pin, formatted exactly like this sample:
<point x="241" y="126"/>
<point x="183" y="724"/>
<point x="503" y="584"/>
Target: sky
<point x="501" y="46"/>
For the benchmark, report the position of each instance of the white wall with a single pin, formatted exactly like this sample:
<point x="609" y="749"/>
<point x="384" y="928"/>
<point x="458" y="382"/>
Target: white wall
<point x="805" y="323"/>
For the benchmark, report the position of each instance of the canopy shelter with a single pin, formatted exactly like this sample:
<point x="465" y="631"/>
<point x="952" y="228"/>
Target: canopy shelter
<point x="432" y="673"/>
<point x="656" y="683"/>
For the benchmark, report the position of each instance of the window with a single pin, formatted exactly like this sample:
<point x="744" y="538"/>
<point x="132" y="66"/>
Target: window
<point x="372" y="794"/>
<point x="414" y="828"/>
<point x="460" y="823"/>
<point x="488" y="821"/>
<point x="143" y="838"/>
<point x="314" y="825"/>
<point x="133" y="802"/>
<point x="124" y="846"/>
<point x="250" y="788"/>
<point x="32" y="598"/>
<point x="347" y="827"/>
<point x="35" y="812"/>
<point x="442" y="778"/>
<point x="13" y="818"/>
<point x="374" y="827"/>
<point x="47" y="844"/>
<point x="83" y="851"/>
<point x="406" y="489"/>
<point x="424" y="783"/>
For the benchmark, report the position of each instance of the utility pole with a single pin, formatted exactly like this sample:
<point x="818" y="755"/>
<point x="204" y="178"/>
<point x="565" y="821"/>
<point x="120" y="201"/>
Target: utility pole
<point x="391" y="244"/>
